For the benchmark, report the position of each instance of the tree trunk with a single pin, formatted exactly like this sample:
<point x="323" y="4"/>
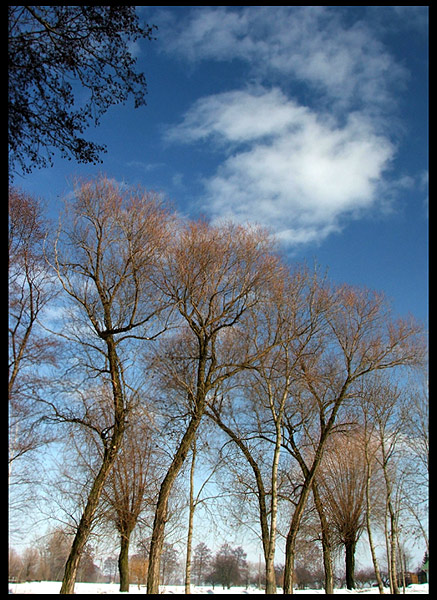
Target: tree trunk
<point x="123" y="562"/>
<point x="85" y="523"/>
<point x="72" y="563"/>
<point x="290" y="545"/>
<point x="270" y="576"/>
<point x="309" y="475"/>
<point x="326" y="542"/>
<point x="289" y="564"/>
<point x="327" y="563"/>
<point x="268" y="541"/>
<point x="369" y="529"/>
<point x="190" y="523"/>
<point x="350" y="564"/>
<point x="393" y="537"/>
<point x="271" y="545"/>
<point x="157" y="540"/>
<point x="112" y="446"/>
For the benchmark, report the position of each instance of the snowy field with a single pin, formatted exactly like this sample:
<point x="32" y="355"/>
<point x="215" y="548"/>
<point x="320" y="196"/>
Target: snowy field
<point x="53" y="587"/>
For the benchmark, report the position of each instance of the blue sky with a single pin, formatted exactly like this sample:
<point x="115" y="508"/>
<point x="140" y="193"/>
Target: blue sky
<point x="311" y="120"/>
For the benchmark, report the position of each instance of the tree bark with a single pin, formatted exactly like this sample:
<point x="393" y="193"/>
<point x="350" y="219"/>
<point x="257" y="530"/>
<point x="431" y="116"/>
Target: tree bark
<point x="85" y="523"/>
<point x="368" y="525"/>
<point x="123" y="562"/>
<point x="112" y="446"/>
<point x="271" y="546"/>
<point x="289" y="564"/>
<point x="268" y="547"/>
<point x="190" y="523"/>
<point x="350" y="564"/>
<point x="160" y="520"/>
<point x="290" y="545"/>
<point x="327" y="563"/>
<point x="309" y="475"/>
<point x="270" y="576"/>
<point x="326" y="542"/>
<point x="393" y="537"/>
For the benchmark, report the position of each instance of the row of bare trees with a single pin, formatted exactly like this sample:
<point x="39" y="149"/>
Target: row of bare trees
<point x="130" y="326"/>
<point x="45" y="560"/>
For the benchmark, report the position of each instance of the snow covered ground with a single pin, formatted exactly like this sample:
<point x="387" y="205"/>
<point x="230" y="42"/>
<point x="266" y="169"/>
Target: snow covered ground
<point x="53" y="587"/>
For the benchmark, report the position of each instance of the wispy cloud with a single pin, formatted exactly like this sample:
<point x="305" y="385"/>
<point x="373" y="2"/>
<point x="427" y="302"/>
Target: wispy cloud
<point x="145" y="167"/>
<point x="311" y="44"/>
<point x="302" y="170"/>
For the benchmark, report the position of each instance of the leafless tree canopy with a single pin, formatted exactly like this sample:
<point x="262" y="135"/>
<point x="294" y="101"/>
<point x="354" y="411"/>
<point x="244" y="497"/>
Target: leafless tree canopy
<point x="131" y="328"/>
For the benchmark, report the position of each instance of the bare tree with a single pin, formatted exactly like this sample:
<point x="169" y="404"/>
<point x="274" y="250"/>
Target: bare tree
<point x="201" y="561"/>
<point x="132" y="484"/>
<point x="138" y="569"/>
<point x="54" y="553"/>
<point x="104" y="256"/>
<point x="326" y="540"/>
<point x="198" y="498"/>
<point x="382" y="400"/>
<point x="417" y="440"/>
<point x="213" y="275"/>
<point x="191" y="508"/>
<point x="32" y="351"/>
<point x="360" y="337"/>
<point x="30" y="563"/>
<point x="228" y="566"/>
<point x="342" y="482"/>
<point x="283" y="324"/>
<point x="15" y="565"/>
<point x="370" y="451"/>
<point x="31" y="290"/>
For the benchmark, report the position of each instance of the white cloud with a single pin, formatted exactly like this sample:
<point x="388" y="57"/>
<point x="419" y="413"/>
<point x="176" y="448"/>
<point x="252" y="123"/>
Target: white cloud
<point x="309" y="44"/>
<point x="239" y="116"/>
<point x="287" y="166"/>
<point x="302" y="170"/>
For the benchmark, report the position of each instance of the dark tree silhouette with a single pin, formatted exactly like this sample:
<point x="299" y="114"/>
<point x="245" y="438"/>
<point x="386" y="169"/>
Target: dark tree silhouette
<point x="229" y="566"/>
<point x="53" y="52"/>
